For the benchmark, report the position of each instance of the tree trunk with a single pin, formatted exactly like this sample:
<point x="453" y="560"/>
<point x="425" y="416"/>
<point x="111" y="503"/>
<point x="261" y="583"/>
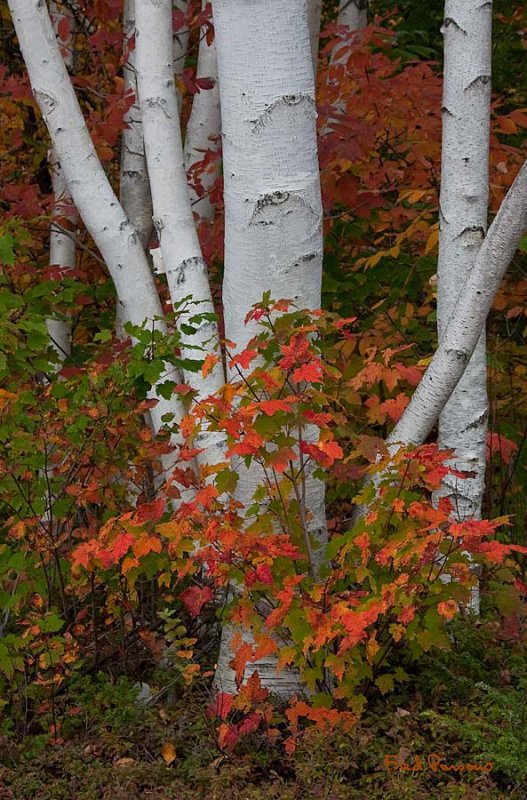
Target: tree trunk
<point x="273" y="211"/>
<point x="467" y="319"/>
<point x="467" y="32"/>
<point x="135" y="185"/>
<point x="179" y="46"/>
<point x="61" y="248"/>
<point x="204" y="128"/>
<point x="353" y="13"/>
<point x="90" y="189"/>
<point x="63" y="215"/>
<point x="315" y="11"/>
<point x="184" y="266"/>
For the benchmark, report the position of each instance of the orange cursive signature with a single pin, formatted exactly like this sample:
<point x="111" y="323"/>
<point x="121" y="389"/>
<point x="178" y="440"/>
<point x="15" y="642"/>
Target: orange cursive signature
<point x="433" y="762"/>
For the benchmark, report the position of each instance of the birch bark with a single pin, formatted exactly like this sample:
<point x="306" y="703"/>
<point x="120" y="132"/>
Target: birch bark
<point x="184" y="266"/>
<point x="353" y="13"/>
<point x="315" y="12"/>
<point x="63" y="215"/>
<point x="204" y="128"/>
<point x="90" y="189"/>
<point x="179" y="45"/>
<point x="135" y="186"/>
<point x="467" y="319"/>
<point x="273" y="211"/>
<point x="467" y="31"/>
<point x="61" y="248"/>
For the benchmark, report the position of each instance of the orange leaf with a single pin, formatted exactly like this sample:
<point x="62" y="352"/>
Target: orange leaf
<point x="168" y="751"/>
<point x="208" y="365"/>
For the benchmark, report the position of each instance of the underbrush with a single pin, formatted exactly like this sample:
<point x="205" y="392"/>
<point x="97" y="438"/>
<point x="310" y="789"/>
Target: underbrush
<point x="466" y="706"/>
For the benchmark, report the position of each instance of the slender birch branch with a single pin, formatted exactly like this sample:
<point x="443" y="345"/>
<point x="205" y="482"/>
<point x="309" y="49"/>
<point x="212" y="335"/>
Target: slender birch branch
<point x="353" y="13"/>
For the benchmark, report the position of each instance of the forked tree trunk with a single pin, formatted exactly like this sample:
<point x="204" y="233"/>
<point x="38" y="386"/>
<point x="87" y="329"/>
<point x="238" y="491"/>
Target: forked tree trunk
<point x="273" y="211"/>
<point x="90" y="189"/>
<point x="204" y="128"/>
<point x="467" y="31"/>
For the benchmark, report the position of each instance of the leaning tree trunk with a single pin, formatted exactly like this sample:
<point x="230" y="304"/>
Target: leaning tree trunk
<point x="467" y="31"/>
<point x="273" y="211"/>
<point x="467" y="320"/>
<point x="204" y="129"/>
<point x="90" y="189"/>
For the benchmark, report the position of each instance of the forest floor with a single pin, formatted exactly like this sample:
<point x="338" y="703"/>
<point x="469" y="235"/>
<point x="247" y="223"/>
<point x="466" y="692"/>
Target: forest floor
<point x="466" y="706"/>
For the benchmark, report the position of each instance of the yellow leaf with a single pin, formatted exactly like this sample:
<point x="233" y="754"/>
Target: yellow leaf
<point x="168" y="751"/>
<point x="432" y="241"/>
<point x="414" y="197"/>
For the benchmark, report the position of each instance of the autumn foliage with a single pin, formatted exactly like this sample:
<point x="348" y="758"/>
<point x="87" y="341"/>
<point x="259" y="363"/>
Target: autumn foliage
<point x="105" y="555"/>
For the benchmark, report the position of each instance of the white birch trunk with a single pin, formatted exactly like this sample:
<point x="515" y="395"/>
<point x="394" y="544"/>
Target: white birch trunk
<point x="204" y="127"/>
<point x="314" y="10"/>
<point x="90" y="189"/>
<point x="467" y="31"/>
<point x="179" y="46"/>
<point x="61" y="248"/>
<point x="63" y="215"/>
<point x="273" y="211"/>
<point x="182" y="259"/>
<point x="467" y="319"/>
<point x="353" y="13"/>
<point x="135" y="185"/>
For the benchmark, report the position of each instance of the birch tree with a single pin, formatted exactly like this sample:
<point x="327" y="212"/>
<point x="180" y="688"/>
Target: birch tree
<point x="90" y="189"/>
<point x="184" y="266"/>
<point x="204" y="128"/>
<point x="63" y="215"/>
<point x="315" y="12"/>
<point x="467" y="31"/>
<point x="134" y="182"/>
<point x="273" y="211"/>
<point x="353" y="14"/>
<point x="467" y="319"/>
